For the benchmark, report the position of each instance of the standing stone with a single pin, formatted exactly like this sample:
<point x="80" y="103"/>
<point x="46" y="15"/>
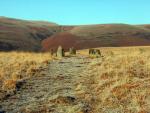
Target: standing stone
<point x="51" y="52"/>
<point x="91" y="51"/>
<point x="60" y="52"/>
<point x="97" y="53"/>
<point x="94" y="52"/>
<point x="72" y="51"/>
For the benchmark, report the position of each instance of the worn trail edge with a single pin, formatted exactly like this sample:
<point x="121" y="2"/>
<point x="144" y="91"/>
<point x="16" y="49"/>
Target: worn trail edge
<point x="55" y="92"/>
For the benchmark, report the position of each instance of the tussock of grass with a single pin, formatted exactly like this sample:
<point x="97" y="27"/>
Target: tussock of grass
<point x="17" y="66"/>
<point x="120" y="82"/>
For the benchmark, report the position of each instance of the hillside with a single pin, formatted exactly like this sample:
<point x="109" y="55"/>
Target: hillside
<point x="23" y="35"/>
<point x="106" y="35"/>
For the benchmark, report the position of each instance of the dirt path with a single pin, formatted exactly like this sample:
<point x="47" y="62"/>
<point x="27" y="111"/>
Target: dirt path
<point x="54" y="92"/>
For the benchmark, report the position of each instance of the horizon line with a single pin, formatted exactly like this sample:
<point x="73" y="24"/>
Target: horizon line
<point x="57" y="23"/>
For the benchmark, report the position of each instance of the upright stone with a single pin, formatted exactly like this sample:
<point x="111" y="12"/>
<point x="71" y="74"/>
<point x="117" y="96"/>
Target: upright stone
<point x="94" y="53"/>
<point x="97" y="53"/>
<point x="60" y="52"/>
<point x="91" y="51"/>
<point x="72" y="51"/>
<point x="51" y="52"/>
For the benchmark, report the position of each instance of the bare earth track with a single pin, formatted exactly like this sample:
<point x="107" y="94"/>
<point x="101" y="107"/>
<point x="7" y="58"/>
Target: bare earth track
<point x="55" y="92"/>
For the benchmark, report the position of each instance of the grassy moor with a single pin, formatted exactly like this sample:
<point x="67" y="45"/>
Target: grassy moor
<point x="74" y="56"/>
<point x="40" y="83"/>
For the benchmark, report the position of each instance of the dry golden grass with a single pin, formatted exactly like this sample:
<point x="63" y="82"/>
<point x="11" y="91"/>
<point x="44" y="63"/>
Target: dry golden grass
<point x="19" y="65"/>
<point x="120" y="82"/>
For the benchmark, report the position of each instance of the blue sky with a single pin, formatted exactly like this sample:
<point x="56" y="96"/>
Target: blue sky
<point x="74" y="12"/>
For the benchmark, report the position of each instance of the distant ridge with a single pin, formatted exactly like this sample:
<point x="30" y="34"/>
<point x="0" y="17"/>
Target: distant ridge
<point x="101" y="35"/>
<point x="23" y="35"/>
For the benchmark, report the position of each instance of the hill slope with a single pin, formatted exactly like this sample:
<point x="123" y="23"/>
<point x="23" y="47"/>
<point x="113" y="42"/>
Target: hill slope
<point x="24" y="35"/>
<point x="107" y="35"/>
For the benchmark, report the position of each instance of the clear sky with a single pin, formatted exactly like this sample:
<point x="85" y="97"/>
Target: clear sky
<point x="74" y="12"/>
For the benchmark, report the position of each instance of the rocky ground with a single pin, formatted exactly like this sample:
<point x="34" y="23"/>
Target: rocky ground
<point x="55" y="91"/>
